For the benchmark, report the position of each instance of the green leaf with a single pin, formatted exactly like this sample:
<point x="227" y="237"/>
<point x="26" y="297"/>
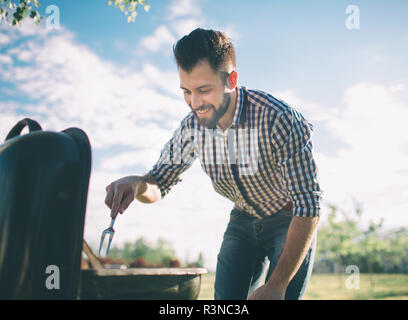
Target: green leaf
<point x="129" y="6"/>
<point x="24" y="12"/>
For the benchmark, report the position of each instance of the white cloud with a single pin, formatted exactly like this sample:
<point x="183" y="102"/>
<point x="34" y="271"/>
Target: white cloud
<point x="4" y="39"/>
<point x="370" y="133"/>
<point x="184" y="26"/>
<point x="29" y="28"/>
<point x="25" y="52"/>
<point x="162" y="38"/>
<point x="7" y="118"/>
<point x="231" y="31"/>
<point x="377" y="59"/>
<point x="184" y="16"/>
<point x="145" y="157"/>
<point x="77" y="88"/>
<point x="167" y="81"/>
<point x="400" y="87"/>
<point x="6" y="59"/>
<point x="309" y="109"/>
<point x="373" y="123"/>
<point x="181" y="8"/>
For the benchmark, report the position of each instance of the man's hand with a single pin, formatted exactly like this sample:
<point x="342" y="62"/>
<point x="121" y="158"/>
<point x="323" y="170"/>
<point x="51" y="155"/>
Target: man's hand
<point x="122" y="192"/>
<point x="298" y="240"/>
<point x="268" y="292"/>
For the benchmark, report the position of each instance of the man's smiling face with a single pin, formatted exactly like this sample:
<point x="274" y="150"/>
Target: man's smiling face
<point x="205" y="93"/>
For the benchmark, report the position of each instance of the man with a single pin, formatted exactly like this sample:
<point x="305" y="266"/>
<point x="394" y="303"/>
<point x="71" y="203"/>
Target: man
<point x="258" y="152"/>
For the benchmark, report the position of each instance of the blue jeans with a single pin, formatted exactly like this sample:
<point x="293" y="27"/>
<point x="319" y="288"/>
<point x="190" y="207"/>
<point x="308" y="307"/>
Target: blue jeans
<point x="251" y="245"/>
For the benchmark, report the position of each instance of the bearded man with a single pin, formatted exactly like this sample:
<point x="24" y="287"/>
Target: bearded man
<point x="257" y="150"/>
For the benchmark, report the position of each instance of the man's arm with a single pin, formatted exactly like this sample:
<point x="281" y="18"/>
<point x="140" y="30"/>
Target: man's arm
<point x="298" y="241"/>
<point x="294" y="159"/>
<point x="175" y="158"/>
<point x="121" y="193"/>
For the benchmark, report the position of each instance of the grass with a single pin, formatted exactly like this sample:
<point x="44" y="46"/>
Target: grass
<point x="334" y="287"/>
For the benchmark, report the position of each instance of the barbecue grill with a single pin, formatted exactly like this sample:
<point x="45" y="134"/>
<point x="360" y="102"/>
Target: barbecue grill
<point x="44" y="180"/>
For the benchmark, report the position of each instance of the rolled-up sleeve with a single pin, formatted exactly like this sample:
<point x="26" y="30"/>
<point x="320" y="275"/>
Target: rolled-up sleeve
<point x="176" y="157"/>
<point x="292" y="139"/>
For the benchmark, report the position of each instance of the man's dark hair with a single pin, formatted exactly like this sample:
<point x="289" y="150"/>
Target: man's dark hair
<point x="204" y="44"/>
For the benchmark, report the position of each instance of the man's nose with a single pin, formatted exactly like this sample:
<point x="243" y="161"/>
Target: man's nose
<point x="196" y="102"/>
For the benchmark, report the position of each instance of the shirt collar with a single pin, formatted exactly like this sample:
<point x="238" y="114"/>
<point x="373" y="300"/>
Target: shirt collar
<point x="239" y="114"/>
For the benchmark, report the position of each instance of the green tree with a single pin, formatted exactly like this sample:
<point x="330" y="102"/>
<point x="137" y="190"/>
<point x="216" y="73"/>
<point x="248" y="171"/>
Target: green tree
<point x="342" y="242"/>
<point x="338" y="238"/>
<point x="397" y="251"/>
<point x="129" y="7"/>
<point x="19" y="10"/>
<point x="199" y="263"/>
<point x="159" y="253"/>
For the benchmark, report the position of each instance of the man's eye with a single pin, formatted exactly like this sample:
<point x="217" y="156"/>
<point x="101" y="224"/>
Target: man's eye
<point x="204" y="91"/>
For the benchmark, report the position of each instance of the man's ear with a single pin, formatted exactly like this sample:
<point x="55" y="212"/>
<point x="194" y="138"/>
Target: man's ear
<point x="232" y="80"/>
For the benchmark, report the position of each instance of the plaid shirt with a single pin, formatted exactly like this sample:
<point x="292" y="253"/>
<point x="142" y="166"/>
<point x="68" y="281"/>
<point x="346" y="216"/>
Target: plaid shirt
<point x="262" y="162"/>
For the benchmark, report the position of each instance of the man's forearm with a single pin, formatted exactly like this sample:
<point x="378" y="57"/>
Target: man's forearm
<point x="298" y="240"/>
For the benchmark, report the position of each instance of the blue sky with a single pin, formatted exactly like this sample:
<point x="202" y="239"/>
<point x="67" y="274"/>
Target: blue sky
<point x="311" y="35"/>
<point x="118" y="81"/>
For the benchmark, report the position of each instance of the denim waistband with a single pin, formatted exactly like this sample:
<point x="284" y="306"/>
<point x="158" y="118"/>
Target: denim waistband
<point x="284" y="212"/>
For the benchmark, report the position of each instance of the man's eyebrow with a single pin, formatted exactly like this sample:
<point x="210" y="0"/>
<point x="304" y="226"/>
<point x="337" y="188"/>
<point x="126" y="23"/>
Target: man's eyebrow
<point x="204" y="86"/>
<point x="200" y="87"/>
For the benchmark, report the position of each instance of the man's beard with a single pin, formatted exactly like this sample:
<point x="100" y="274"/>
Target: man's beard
<point x="211" y="123"/>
